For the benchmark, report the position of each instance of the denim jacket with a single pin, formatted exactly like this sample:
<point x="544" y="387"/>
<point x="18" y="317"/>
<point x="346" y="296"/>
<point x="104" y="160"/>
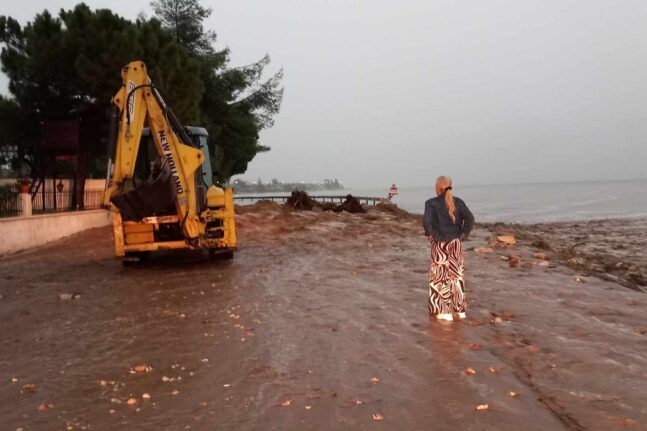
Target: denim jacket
<point x="439" y="225"/>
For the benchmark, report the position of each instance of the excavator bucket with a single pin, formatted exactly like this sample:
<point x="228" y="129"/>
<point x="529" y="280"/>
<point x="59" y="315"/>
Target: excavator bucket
<point x="154" y="197"/>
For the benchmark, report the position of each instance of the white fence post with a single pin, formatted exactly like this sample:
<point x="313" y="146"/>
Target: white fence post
<point x="25" y="204"/>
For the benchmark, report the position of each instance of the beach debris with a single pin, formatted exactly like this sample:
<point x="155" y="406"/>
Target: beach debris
<point x="482" y="407"/>
<point x="514" y="260"/>
<point x="352" y="205"/>
<point x="375" y="379"/>
<point x="226" y="385"/>
<point x="286" y="403"/>
<point x="44" y="407"/>
<point x="301" y="201"/>
<point x="143" y="368"/>
<point x="505" y="240"/>
<point x="377" y="416"/>
<point x="470" y="371"/>
<point x="482" y="250"/>
<point x="28" y="388"/>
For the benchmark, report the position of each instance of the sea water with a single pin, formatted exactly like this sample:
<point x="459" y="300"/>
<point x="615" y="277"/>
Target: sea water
<point x="536" y="203"/>
<point x="528" y="203"/>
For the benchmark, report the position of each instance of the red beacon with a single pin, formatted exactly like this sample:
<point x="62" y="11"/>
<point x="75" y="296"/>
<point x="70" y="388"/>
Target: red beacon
<point x="393" y="191"/>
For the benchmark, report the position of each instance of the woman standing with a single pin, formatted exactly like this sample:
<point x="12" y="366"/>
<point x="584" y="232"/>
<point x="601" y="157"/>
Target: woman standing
<point x="447" y="222"/>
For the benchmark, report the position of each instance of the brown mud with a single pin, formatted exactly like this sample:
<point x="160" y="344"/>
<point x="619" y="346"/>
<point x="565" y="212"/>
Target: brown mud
<point x="319" y="322"/>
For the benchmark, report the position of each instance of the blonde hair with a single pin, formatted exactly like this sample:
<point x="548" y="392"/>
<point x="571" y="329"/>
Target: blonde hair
<point x="444" y="185"/>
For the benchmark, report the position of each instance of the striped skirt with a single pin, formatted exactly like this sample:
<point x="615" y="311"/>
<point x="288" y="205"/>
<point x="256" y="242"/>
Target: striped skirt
<point x="446" y="284"/>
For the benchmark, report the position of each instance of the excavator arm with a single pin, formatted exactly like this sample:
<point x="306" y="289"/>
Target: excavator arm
<point x="140" y="104"/>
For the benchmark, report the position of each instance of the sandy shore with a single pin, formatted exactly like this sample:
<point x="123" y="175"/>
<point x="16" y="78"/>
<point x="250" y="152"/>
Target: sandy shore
<point x="320" y="322"/>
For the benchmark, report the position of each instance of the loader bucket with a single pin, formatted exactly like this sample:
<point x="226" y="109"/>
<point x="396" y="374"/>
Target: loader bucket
<point x="155" y="196"/>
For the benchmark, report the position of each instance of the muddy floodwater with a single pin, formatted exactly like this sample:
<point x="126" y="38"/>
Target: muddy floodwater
<point x="319" y="323"/>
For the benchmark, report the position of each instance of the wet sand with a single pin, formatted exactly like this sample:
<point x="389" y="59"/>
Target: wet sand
<point x="320" y="322"/>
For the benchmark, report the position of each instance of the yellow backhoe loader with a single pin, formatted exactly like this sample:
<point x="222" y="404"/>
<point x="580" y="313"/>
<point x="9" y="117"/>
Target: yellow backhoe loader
<point x="159" y="185"/>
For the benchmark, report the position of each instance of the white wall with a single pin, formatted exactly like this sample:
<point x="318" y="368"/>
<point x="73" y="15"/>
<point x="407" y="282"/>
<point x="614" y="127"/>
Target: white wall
<point x="19" y="233"/>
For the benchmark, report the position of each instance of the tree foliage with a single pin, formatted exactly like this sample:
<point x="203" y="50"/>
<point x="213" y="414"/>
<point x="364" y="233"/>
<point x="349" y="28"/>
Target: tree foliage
<point x="237" y="103"/>
<point x="67" y="67"/>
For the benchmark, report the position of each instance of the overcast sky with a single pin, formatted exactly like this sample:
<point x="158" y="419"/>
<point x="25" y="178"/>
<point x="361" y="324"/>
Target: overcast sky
<point x="487" y="91"/>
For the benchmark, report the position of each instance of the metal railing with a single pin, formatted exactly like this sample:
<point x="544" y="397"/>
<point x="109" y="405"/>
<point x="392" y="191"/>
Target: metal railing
<point x="367" y="200"/>
<point x="10" y="204"/>
<point x="49" y="202"/>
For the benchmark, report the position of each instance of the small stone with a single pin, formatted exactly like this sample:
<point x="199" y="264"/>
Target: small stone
<point x="103" y="383"/>
<point x="205" y="360"/>
<point x="66" y="296"/>
<point x="497" y="320"/>
<point x="28" y="387"/>
<point x="286" y="403"/>
<point x="226" y="385"/>
<point x="132" y="401"/>
<point x="146" y="396"/>
<point x="375" y="379"/>
<point x="308" y="407"/>
<point x="14" y="380"/>
<point x="506" y="240"/>
<point x="470" y="371"/>
<point x="377" y="416"/>
<point x="540" y="256"/>
<point x="175" y="392"/>
<point x="544" y="263"/>
<point x="482" y="407"/>
<point x="493" y="370"/>
<point x="513" y="394"/>
<point x="115" y="401"/>
<point x="483" y="250"/>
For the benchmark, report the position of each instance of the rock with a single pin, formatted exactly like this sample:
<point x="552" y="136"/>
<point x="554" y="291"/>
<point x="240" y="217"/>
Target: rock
<point x="514" y="261"/>
<point x="481" y="250"/>
<point x="544" y="263"/>
<point x="146" y="396"/>
<point x="132" y="401"/>
<point x="66" y="296"/>
<point x="28" y="388"/>
<point x="506" y="240"/>
<point x="526" y="265"/>
<point x="540" y="256"/>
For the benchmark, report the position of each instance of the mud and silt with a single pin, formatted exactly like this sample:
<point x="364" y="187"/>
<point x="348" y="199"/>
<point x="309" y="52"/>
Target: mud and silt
<point x="319" y="322"/>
